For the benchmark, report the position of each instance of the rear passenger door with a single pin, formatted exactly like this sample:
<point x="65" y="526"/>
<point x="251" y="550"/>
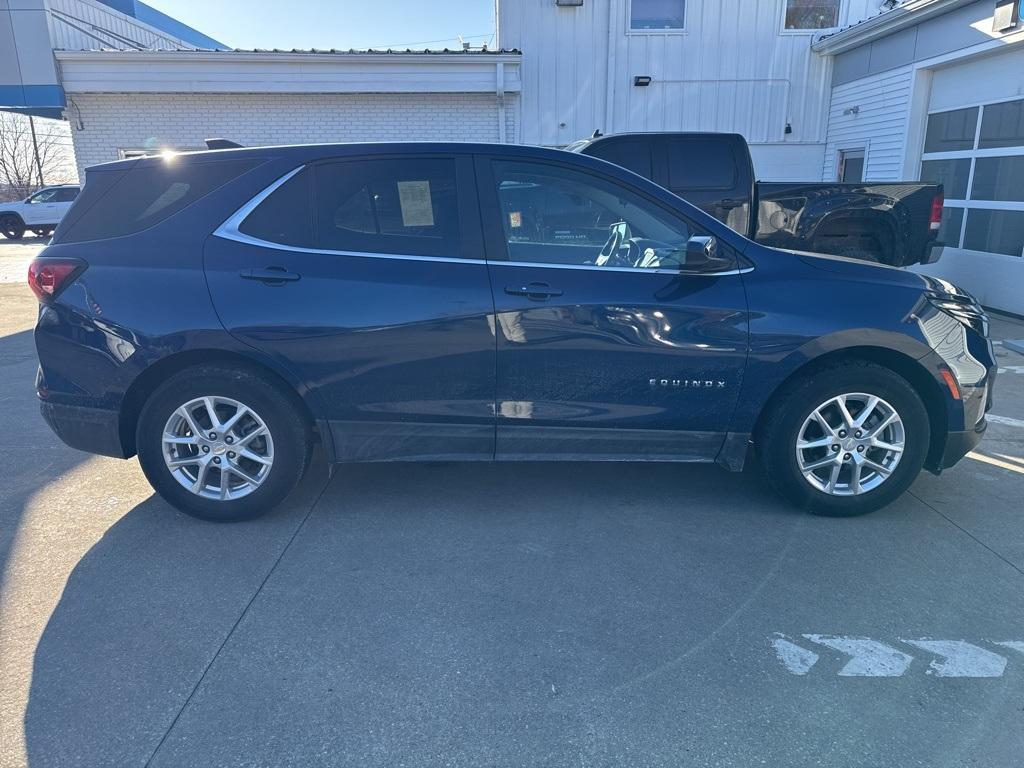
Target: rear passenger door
<point x="366" y="278"/>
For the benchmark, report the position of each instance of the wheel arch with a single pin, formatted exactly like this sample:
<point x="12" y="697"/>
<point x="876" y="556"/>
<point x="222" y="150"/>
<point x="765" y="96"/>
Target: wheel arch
<point x="852" y="225"/>
<point x="902" y="364"/>
<point x="147" y="382"/>
<point x="12" y="213"/>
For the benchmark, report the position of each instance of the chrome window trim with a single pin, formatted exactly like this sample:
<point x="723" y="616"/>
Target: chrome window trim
<point x="229" y="230"/>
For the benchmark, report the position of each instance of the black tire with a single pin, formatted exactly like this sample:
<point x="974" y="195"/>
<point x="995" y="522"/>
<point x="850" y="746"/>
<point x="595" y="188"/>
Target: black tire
<point x="12" y="227"/>
<point x="776" y="438"/>
<point x="279" y="411"/>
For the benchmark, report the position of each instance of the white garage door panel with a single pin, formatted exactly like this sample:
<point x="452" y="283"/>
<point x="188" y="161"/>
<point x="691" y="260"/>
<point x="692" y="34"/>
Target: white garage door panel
<point x="993" y="78"/>
<point x="995" y="278"/>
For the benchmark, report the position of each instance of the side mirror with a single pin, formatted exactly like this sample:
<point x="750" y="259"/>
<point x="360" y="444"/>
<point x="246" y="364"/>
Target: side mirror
<point x="700" y="251"/>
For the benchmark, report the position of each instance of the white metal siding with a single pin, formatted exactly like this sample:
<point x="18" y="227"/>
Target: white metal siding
<point x="86" y="25"/>
<point x="731" y="70"/>
<point x="133" y="121"/>
<point x="879" y="126"/>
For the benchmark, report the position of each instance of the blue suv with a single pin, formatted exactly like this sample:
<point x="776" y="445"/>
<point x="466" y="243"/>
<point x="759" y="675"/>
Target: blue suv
<point x="218" y="313"/>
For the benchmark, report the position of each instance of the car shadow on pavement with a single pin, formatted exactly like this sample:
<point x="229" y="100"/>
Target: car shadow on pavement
<point x="30" y="454"/>
<point x="150" y="605"/>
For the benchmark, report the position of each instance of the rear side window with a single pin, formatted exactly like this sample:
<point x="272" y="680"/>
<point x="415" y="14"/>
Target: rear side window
<point x="405" y="207"/>
<point x="634" y="156"/>
<point x="701" y="164"/>
<point x="148" y="193"/>
<point x="66" y="194"/>
<point x="286" y="216"/>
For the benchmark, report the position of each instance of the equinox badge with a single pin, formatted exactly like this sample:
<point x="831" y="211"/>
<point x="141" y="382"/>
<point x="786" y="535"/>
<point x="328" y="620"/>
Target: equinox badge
<point x="688" y="383"/>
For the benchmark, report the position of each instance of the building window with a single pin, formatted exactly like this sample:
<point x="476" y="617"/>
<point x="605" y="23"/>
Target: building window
<point x="657" y="15"/>
<point x="977" y="154"/>
<point x="851" y="165"/>
<point x="811" y="14"/>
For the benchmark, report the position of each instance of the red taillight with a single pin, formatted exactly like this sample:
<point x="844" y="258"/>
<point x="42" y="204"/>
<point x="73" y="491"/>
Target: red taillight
<point x="935" y="219"/>
<point x="46" y="277"/>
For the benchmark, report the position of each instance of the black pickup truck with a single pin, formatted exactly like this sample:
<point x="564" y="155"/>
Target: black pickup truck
<point x="889" y="222"/>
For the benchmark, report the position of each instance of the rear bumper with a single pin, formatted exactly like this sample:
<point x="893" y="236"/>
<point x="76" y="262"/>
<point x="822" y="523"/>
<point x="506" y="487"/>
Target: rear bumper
<point x="88" y="429"/>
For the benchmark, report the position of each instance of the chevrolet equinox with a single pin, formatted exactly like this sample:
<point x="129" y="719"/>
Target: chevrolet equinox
<point x="218" y="313"/>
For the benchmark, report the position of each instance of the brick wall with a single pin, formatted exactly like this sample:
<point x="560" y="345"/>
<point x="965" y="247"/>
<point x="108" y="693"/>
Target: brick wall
<point x="126" y="121"/>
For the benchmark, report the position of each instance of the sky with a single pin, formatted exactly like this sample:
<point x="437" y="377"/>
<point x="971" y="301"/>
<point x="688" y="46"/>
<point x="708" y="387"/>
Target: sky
<point x="339" y="24"/>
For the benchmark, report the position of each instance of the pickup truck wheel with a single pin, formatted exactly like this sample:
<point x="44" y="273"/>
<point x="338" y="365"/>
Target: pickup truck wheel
<point x="845" y="441"/>
<point x="12" y="227"/>
<point x="222" y="443"/>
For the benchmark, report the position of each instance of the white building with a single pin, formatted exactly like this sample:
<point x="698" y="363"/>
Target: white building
<point x="935" y="90"/>
<point x="822" y="89"/>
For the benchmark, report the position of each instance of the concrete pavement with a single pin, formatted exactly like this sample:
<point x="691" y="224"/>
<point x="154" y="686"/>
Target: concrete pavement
<point x="518" y="614"/>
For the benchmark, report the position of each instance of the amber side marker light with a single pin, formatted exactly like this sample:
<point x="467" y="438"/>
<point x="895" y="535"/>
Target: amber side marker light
<point x="950" y="379"/>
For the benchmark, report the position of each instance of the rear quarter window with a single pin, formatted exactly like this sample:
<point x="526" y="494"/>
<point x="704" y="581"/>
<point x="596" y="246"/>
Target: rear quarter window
<point x="701" y="164"/>
<point x="144" y="195"/>
<point x="633" y="155"/>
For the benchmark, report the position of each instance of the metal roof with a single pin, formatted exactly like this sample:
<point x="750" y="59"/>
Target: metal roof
<point x="321" y="51"/>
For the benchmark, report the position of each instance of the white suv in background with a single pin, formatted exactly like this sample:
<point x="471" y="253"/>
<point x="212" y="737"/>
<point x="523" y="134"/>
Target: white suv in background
<point x="39" y="213"/>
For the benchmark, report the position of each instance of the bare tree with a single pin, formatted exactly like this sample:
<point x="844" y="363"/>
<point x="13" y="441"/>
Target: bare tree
<point x="19" y="171"/>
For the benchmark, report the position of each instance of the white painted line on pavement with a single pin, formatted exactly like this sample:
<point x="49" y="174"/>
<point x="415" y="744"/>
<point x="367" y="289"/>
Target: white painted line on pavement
<point x="1005" y="420"/>
<point x="958" y="658"/>
<point x="794" y="658"/>
<point x="868" y="658"/>
<point x="875" y="658"/>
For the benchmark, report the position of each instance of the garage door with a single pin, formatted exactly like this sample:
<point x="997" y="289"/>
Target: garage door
<point x="974" y="145"/>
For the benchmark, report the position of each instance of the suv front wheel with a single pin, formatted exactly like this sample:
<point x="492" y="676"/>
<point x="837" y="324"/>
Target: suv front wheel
<point x="12" y="227"/>
<point x="846" y="440"/>
<point x="222" y="444"/>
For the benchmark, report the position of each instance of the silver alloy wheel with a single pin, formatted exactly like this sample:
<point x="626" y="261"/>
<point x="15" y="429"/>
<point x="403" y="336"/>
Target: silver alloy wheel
<point x="850" y="444"/>
<point x="218" y="448"/>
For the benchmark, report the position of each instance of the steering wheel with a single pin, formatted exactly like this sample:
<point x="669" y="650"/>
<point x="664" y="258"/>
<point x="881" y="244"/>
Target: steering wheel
<point x="609" y="255"/>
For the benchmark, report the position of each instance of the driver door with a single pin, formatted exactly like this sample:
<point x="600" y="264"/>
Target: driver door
<point x="40" y="208"/>
<point x="606" y="347"/>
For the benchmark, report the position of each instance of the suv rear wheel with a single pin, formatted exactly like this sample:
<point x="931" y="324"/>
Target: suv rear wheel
<point x="222" y="444"/>
<point x="845" y="440"/>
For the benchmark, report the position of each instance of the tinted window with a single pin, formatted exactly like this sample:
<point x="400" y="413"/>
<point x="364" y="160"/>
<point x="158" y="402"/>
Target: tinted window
<point x="286" y="215"/>
<point x="851" y="168"/>
<point x="148" y="193"/>
<point x="1002" y="125"/>
<point x="556" y="215"/>
<point x="657" y="14"/>
<point x="406" y="207"/>
<point x="631" y="155"/>
<point x="701" y="163"/>
<point x="66" y="194"/>
<point x="952" y="174"/>
<point x="995" y="231"/>
<point x="999" y="178"/>
<point x="951" y="131"/>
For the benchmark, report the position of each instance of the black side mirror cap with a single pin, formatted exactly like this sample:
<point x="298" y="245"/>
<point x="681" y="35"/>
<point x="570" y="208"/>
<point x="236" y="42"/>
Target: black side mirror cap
<point x="701" y="250"/>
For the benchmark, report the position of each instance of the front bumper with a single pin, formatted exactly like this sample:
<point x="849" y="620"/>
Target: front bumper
<point x="88" y="429"/>
<point x="959" y="444"/>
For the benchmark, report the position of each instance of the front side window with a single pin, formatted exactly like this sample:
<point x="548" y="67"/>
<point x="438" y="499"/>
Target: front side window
<point x="404" y="207"/>
<point x="556" y="215"/>
<point x="46" y="196"/>
<point x="812" y="14"/>
<point x="657" y="14"/>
